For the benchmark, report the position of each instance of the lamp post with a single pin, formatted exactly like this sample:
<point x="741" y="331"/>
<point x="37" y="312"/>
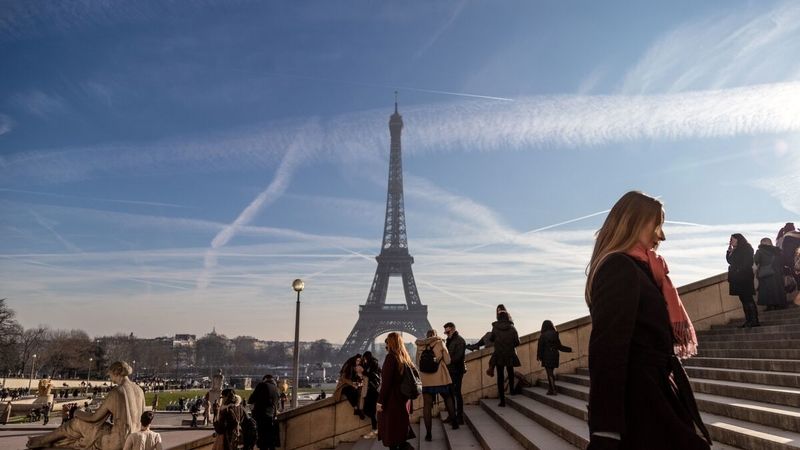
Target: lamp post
<point x="33" y="368"/>
<point x="134" y="369"/>
<point x="88" y="373"/>
<point x="298" y="286"/>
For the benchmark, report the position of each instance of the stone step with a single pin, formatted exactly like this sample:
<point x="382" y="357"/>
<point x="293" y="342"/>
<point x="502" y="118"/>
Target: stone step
<point x="786" y="379"/>
<point x="763" y="320"/>
<point x="794" y="328"/>
<point x="530" y="434"/>
<point x="488" y="432"/>
<point x="462" y="438"/>
<point x="782" y="344"/>
<point x="578" y="428"/>
<point x="749" y="391"/>
<point x="777" y="416"/>
<point x="769" y="353"/>
<point x="581" y="380"/>
<point x="749" y="435"/>
<point x="744" y="424"/>
<point x="727" y="337"/>
<point x="571" y="389"/>
<point x="778" y="395"/>
<point x="438" y="441"/>
<point x="572" y="429"/>
<point x="573" y="406"/>
<point x="776" y="365"/>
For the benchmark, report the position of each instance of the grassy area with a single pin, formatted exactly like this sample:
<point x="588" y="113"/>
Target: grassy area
<point x="168" y="397"/>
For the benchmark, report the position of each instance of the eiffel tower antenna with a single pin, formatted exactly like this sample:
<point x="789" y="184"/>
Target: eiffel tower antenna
<point x="376" y="316"/>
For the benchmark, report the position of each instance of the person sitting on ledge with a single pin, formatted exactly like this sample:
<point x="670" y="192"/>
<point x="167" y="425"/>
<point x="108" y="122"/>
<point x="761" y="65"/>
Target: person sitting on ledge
<point x="91" y="431"/>
<point x="349" y="384"/>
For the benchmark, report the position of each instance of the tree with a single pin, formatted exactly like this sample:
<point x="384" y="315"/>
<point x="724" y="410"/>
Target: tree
<point x="10" y="332"/>
<point x="30" y="343"/>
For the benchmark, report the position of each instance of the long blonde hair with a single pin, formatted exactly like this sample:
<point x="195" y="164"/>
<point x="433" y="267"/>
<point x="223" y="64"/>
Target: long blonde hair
<point x="396" y="347"/>
<point x="620" y="231"/>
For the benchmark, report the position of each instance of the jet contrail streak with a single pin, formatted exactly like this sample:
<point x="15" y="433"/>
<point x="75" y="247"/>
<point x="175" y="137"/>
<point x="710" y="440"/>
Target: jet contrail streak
<point x="375" y="85"/>
<point x="547" y="227"/>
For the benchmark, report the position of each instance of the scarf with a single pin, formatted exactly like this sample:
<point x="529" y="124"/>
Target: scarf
<point x="685" y="339"/>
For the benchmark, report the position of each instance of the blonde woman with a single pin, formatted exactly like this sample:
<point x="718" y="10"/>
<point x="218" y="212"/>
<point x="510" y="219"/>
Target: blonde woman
<point x="394" y="427"/>
<point x="639" y="396"/>
<point x="436" y="382"/>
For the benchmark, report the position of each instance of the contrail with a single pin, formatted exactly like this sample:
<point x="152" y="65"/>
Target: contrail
<point x="375" y="85"/>
<point x="69" y="245"/>
<point x="80" y="197"/>
<point x="274" y="190"/>
<point x="547" y="227"/>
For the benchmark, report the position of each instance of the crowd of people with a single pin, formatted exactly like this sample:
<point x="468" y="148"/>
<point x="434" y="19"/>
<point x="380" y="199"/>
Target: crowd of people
<point x="771" y="273"/>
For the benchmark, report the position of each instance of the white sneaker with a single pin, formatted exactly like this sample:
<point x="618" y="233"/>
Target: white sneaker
<point x="371" y="435"/>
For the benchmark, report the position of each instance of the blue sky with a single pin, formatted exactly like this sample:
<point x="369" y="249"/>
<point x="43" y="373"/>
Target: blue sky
<point x="168" y="167"/>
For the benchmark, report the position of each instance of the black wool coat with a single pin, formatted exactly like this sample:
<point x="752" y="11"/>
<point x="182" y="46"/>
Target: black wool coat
<point x="506" y="340"/>
<point x="632" y="364"/>
<point x="770" y="286"/>
<point x="741" y="279"/>
<point x="549" y="348"/>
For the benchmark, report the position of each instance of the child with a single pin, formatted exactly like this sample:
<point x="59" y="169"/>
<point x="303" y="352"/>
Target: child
<point x="144" y="439"/>
<point x="547" y="353"/>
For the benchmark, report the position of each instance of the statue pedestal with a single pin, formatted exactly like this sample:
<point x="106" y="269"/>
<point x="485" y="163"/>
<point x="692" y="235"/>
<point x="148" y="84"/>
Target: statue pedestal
<point x="44" y="399"/>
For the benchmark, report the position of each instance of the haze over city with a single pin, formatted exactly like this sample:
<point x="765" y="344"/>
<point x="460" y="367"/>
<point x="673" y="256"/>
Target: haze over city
<point x="172" y="167"/>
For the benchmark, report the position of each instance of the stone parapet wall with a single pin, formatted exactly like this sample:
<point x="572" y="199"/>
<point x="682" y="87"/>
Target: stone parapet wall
<point x="324" y="424"/>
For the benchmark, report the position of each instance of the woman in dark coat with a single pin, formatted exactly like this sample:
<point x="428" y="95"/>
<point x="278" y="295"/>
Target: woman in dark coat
<point x="769" y="270"/>
<point x="548" y="353"/>
<point x="394" y="425"/>
<point x="505" y="340"/>
<point x="640" y="396"/>
<point x="372" y="376"/>
<point x="740" y="277"/>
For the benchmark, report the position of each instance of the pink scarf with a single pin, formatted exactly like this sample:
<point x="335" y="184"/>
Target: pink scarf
<point x="682" y="328"/>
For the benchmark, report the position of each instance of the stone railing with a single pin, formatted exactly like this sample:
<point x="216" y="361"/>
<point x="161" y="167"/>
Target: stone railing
<point x="324" y="424"/>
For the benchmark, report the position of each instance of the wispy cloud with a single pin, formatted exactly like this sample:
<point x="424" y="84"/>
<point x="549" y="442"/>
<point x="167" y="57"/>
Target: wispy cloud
<point x="451" y="18"/>
<point x="39" y="103"/>
<point x="526" y="124"/>
<point x="725" y="50"/>
<point x="6" y="125"/>
<point x="732" y="49"/>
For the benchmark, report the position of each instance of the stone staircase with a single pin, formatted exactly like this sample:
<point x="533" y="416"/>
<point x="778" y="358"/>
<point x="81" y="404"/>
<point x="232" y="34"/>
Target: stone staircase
<point x="746" y="382"/>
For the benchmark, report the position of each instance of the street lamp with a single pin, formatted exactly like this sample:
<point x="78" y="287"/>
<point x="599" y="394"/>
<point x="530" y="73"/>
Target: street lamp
<point x="298" y="286"/>
<point x="33" y="367"/>
<point x="88" y="373"/>
<point x="134" y="369"/>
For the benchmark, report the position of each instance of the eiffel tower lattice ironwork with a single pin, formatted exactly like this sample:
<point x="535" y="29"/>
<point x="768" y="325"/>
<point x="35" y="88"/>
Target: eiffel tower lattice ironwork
<point x="376" y="317"/>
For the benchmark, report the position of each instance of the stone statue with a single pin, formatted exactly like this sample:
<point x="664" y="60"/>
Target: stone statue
<point x="216" y="381"/>
<point x="44" y="387"/>
<point x="215" y="392"/>
<point x="92" y="431"/>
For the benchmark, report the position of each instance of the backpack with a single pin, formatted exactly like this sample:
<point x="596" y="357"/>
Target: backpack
<point x="410" y="385"/>
<point x="245" y="434"/>
<point x="427" y="361"/>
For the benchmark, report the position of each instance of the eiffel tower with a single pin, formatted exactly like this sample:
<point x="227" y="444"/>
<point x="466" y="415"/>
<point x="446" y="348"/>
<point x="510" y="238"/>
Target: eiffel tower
<point x="376" y="316"/>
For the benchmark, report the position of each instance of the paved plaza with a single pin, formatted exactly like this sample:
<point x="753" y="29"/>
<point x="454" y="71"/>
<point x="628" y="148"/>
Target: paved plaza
<point x="173" y="433"/>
